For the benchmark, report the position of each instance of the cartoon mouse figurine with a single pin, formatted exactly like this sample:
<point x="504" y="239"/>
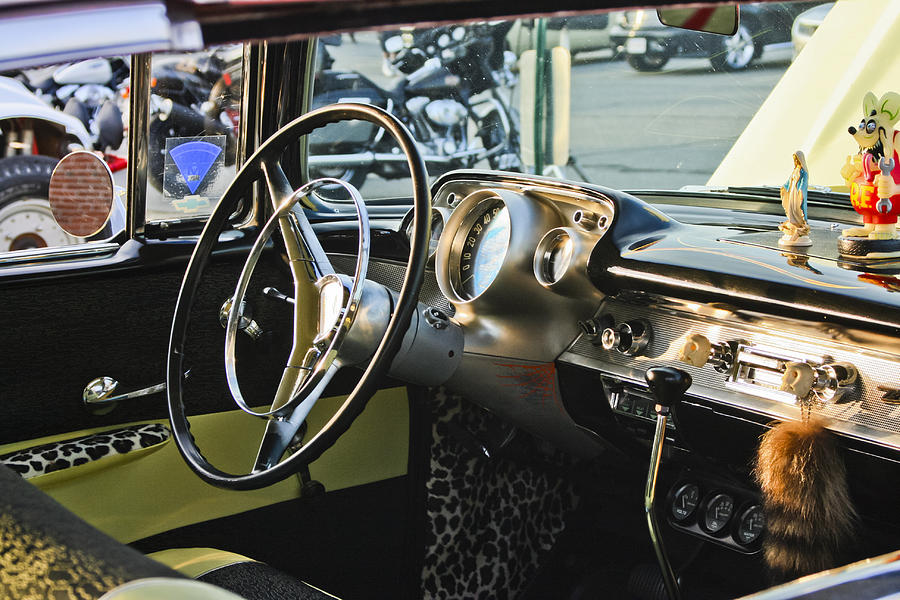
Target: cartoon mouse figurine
<point x="874" y="180"/>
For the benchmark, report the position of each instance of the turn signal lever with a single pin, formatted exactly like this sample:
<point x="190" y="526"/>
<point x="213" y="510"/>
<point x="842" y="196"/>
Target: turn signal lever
<point x="668" y="386"/>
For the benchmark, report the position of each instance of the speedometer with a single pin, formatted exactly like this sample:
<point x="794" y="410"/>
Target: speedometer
<point x="483" y="251"/>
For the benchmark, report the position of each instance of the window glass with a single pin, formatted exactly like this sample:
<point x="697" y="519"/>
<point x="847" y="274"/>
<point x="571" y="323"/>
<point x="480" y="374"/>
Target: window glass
<point x="635" y="104"/>
<point x="194" y="119"/>
<point x="44" y="114"/>
<point x="452" y="86"/>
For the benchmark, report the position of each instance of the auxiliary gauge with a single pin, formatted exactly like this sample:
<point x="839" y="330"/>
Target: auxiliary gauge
<point x="685" y="501"/>
<point x="718" y="512"/>
<point x="750" y="525"/>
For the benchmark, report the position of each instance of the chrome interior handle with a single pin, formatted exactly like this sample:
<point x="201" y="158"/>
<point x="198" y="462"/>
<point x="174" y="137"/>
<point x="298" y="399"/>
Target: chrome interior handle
<point x="101" y="390"/>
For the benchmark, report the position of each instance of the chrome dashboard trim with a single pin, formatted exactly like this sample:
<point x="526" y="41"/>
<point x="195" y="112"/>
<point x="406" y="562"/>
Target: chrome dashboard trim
<point x="861" y="412"/>
<point x="694" y="285"/>
<point x="545" y="318"/>
<point x="869" y="568"/>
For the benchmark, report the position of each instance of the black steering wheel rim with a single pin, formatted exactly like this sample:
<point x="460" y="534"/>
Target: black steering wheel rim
<point x="271" y="151"/>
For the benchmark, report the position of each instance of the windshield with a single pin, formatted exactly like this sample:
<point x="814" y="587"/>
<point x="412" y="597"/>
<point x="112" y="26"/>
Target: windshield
<point x="624" y="101"/>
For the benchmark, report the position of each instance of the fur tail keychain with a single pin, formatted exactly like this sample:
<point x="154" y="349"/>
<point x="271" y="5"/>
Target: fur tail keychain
<point x="810" y="519"/>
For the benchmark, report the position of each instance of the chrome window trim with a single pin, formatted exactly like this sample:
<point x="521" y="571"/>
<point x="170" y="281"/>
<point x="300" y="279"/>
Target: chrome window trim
<point x="138" y="145"/>
<point x="90" y="250"/>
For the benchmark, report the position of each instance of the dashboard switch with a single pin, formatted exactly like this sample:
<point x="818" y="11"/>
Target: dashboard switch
<point x="630" y="338"/>
<point x="829" y="381"/>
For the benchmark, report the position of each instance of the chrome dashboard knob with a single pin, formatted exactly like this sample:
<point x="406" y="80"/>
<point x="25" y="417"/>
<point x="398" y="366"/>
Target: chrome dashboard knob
<point x="829" y="381"/>
<point x="629" y="338"/>
<point x="696" y="350"/>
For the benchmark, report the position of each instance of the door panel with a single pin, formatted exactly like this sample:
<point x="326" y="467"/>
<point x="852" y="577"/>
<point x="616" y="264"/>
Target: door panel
<point x="62" y="333"/>
<point x="155" y="491"/>
<point x="66" y="327"/>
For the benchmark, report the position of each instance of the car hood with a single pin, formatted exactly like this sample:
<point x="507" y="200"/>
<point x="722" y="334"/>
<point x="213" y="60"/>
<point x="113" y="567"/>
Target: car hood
<point x="811" y="107"/>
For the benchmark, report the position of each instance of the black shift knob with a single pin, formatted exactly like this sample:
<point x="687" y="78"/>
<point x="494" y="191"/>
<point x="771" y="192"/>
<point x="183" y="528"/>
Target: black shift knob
<point x="667" y="384"/>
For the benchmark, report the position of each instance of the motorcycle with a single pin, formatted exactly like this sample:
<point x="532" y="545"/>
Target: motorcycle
<point x="88" y="90"/>
<point x="450" y="96"/>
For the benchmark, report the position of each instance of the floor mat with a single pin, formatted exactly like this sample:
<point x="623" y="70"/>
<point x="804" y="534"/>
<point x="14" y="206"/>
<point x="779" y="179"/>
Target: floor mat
<point x="490" y="521"/>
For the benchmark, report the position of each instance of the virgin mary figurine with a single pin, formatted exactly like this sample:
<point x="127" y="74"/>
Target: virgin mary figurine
<point x="793" y="200"/>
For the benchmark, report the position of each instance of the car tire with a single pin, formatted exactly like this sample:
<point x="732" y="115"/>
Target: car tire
<point x="735" y="53"/>
<point x="24" y="188"/>
<point x="652" y="61"/>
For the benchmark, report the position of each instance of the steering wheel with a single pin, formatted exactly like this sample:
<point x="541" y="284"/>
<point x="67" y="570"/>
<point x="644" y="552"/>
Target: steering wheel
<point x="325" y="304"/>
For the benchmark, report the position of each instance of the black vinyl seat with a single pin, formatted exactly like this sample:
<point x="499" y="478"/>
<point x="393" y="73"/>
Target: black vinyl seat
<point x="46" y="551"/>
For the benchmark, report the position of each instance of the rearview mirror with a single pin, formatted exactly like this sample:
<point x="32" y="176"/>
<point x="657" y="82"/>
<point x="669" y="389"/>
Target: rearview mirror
<point x="708" y="19"/>
<point x="81" y="194"/>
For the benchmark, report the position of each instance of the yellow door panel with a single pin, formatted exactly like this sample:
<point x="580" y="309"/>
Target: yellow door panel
<point x="152" y="492"/>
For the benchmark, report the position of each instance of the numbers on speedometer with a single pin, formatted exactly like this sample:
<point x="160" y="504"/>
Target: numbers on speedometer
<point x="483" y="250"/>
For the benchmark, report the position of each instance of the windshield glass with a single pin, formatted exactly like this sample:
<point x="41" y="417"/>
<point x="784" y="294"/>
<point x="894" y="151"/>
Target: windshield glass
<point x="623" y="100"/>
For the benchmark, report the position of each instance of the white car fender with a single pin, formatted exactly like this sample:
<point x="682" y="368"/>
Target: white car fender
<point x="17" y="101"/>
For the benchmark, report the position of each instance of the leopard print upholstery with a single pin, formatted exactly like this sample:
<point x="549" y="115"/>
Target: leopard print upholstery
<point x="491" y="521"/>
<point x="48" y="458"/>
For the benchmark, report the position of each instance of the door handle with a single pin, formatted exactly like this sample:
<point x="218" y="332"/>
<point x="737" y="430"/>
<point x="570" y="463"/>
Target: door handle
<point x="101" y="391"/>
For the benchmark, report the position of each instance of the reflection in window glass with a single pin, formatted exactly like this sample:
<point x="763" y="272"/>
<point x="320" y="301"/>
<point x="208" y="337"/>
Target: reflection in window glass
<point x="640" y="105"/>
<point x="452" y="86"/>
<point x="194" y="118"/>
<point x="44" y="114"/>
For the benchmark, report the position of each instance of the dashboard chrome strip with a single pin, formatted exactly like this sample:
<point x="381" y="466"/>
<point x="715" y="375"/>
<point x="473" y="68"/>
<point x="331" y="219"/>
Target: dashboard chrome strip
<point x="694" y="285"/>
<point x="861" y="413"/>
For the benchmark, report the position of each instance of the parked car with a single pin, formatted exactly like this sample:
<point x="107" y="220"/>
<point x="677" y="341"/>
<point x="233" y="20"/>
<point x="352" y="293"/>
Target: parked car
<point x="806" y="24"/>
<point x="579" y="34"/>
<point x="486" y="384"/>
<point x="648" y="44"/>
<point x="34" y="134"/>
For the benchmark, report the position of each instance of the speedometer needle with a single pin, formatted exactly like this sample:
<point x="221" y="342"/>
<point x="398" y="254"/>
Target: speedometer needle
<point x="468" y="278"/>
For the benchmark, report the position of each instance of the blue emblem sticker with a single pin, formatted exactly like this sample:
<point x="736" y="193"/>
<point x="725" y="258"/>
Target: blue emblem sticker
<point x="193" y="160"/>
<point x="194" y="178"/>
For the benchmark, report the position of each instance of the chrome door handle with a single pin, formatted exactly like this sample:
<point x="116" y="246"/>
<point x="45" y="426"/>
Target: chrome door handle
<point x="101" y="390"/>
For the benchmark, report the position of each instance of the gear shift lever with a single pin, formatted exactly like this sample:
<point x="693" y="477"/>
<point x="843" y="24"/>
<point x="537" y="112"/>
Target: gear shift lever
<point x="668" y="386"/>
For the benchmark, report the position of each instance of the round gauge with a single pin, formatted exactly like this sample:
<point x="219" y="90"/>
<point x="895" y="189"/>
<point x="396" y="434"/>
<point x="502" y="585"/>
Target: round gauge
<point x="750" y="525"/>
<point x="554" y="254"/>
<point x="718" y="512"/>
<point x="483" y="250"/>
<point x="685" y="502"/>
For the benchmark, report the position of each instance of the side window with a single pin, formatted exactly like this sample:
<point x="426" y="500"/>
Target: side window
<point x="194" y="118"/>
<point x="44" y="114"/>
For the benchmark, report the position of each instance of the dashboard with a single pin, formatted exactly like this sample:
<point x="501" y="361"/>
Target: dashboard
<point x="556" y="281"/>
